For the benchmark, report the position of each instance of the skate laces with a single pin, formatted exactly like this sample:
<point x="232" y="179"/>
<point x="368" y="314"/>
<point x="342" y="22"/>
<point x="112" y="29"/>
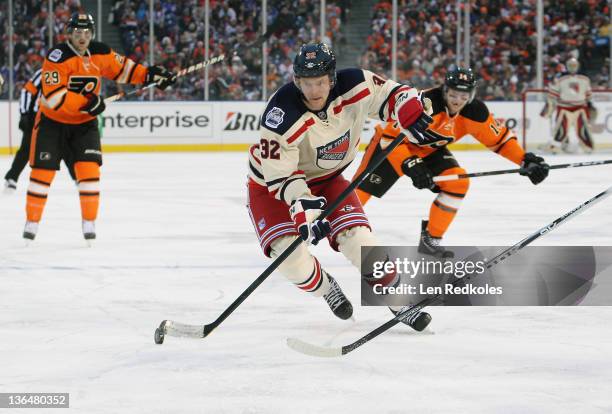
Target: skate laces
<point x="411" y="314"/>
<point x="334" y="297"/>
<point x="430" y="240"/>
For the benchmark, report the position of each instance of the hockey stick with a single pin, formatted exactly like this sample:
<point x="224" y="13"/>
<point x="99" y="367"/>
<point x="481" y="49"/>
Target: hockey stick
<point x="321" y="351"/>
<point x="257" y="43"/>
<point x="180" y="73"/>
<point x="517" y="170"/>
<point x="171" y="328"/>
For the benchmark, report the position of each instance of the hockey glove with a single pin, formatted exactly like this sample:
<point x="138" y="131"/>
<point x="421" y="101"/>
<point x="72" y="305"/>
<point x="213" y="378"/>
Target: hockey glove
<point x="412" y="118"/>
<point x="415" y="168"/>
<point x="304" y="212"/>
<point x="535" y="168"/>
<point x="161" y="76"/>
<point x="95" y="105"/>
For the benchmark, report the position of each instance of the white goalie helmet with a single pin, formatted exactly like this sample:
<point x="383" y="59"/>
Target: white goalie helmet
<point x="572" y="65"/>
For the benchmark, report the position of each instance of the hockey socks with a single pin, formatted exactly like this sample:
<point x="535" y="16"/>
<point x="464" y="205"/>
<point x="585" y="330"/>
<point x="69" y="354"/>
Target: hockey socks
<point x="38" y="190"/>
<point x="88" y="182"/>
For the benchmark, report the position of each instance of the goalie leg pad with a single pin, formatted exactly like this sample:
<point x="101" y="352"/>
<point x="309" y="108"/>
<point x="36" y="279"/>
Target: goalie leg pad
<point x="560" y="132"/>
<point x="583" y="129"/>
<point x="301" y="267"/>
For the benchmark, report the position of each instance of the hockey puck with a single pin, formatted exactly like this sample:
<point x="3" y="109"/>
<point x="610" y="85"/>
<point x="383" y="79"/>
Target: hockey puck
<point x="159" y="333"/>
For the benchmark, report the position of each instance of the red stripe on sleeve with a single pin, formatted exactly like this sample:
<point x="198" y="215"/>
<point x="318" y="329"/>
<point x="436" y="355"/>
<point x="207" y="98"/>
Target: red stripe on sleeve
<point x="356" y="98"/>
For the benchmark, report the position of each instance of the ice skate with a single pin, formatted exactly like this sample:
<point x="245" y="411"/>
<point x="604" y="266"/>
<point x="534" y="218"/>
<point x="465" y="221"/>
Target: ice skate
<point x="30" y="230"/>
<point x="89" y="231"/>
<point x="431" y="245"/>
<point x="338" y="303"/>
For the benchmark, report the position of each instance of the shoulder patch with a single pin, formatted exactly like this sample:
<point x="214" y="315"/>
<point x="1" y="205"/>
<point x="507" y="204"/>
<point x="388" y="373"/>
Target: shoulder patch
<point x="283" y="110"/>
<point x="476" y="111"/>
<point x="59" y="53"/>
<point x="55" y="55"/>
<point x="99" y="48"/>
<point x="274" y="117"/>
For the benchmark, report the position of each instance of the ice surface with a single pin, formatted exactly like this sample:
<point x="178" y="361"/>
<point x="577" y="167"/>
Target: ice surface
<point x="175" y="242"/>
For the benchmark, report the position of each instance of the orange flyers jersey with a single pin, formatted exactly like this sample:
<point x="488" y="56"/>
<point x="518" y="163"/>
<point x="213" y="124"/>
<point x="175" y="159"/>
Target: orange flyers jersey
<point x="67" y="77"/>
<point x="474" y="119"/>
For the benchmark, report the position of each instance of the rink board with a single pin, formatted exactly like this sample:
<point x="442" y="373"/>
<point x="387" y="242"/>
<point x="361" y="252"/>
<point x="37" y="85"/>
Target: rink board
<point x="209" y="126"/>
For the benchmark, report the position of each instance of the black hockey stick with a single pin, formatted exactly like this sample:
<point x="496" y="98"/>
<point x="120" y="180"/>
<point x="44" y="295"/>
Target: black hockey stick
<point x="172" y="328"/>
<point x="321" y="351"/>
<point x="517" y="170"/>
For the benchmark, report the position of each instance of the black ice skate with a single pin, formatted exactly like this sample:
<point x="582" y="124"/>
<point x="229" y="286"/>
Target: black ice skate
<point x="417" y="321"/>
<point x="338" y="303"/>
<point x="431" y="245"/>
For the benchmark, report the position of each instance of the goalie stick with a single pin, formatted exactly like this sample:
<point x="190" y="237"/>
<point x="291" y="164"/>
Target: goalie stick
<point x="518" y="170"/>
<point x="321" y="351"/>
<point x="171" y="328"/>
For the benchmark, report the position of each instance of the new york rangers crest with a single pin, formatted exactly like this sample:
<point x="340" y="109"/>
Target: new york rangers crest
<point x="329" y="156"/>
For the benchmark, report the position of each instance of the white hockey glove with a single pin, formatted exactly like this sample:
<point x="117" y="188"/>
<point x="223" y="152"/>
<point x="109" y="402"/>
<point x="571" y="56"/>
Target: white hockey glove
<point x="304" y="212"/>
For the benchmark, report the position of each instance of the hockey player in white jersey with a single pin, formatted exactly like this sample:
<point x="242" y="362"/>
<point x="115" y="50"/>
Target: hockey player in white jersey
<point x="310" y="132"/>
<point x="569" y="97"/>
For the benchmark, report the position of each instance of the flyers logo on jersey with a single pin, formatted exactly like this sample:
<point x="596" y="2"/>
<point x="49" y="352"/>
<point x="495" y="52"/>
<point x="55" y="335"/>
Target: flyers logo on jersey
<point x="82" y="84"/>
<point x="329" y="156"/>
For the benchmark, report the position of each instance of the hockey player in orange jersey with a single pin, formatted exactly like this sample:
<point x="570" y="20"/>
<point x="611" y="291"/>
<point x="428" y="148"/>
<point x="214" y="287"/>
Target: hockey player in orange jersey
<point x="69" y="105"/>
<point x="456" y="113"/>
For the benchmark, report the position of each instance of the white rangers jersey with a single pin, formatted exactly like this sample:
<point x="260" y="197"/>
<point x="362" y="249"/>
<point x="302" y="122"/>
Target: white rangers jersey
<point x="570" y="90"/>
<point x="299" y="147"/>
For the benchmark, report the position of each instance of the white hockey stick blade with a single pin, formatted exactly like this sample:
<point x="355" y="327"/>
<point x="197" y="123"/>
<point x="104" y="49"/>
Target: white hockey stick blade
<point x="183" y="330"/>
<point x="313" y="350"/>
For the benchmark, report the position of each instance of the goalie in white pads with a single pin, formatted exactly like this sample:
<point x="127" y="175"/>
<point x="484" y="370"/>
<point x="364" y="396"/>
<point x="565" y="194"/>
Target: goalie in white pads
<point x="570" y="96"/>
<point x="310" y="132"/>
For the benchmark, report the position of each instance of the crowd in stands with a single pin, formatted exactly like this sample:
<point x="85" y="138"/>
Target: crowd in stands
<point x="31" y="35"/>
<point x="503" y="42"/>
<point x="503" y="39"/>
<point x="180" y="35"/>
